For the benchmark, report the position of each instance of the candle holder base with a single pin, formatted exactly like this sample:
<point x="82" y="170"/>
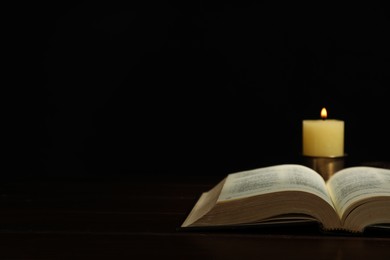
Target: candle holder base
<point x="325" y="166"/>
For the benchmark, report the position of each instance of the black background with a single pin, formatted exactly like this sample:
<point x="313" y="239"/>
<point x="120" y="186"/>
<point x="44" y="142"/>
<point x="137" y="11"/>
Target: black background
<point x="200" y="88"/>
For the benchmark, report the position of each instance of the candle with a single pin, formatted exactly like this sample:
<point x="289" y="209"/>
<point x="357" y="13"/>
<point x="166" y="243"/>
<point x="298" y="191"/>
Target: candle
<point x="323" y="137"/>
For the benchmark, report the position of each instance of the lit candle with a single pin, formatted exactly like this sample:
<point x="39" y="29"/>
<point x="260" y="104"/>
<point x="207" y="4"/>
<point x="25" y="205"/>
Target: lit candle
<point x="323" y="137"/>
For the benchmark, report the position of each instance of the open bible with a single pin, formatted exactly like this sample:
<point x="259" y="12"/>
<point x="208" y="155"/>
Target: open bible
<point x="351" y="200"/>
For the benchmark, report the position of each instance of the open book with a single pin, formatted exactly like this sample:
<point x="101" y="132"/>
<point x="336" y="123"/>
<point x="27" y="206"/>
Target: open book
<point x="351" y="200"/>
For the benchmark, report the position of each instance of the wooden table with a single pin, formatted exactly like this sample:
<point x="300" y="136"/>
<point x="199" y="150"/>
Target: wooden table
<point x="136" y="217"/>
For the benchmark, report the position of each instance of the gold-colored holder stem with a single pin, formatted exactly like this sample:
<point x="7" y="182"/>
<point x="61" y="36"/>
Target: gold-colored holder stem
<point x="325" y="166"/>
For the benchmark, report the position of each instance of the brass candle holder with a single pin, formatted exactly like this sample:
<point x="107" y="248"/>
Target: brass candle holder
<point x="326" y="166"/>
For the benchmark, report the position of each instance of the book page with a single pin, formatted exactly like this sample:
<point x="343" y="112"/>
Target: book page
<point x="356" y="183"/>
<point x="287" y="177"/>
<point x="204" y="204"/>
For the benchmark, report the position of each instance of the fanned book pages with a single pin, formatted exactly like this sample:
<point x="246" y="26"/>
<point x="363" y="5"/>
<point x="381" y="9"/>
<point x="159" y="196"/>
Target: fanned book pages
<point x="351" y="200"/>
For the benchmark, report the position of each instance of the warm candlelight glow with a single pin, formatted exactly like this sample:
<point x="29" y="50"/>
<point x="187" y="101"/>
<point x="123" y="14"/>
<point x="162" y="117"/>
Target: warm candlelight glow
<point x="323" y="137"/>
<point x="324" y="114"/>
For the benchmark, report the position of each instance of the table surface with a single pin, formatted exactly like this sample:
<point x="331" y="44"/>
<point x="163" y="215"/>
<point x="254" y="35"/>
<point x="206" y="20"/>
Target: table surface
<point x="130" y="216"/>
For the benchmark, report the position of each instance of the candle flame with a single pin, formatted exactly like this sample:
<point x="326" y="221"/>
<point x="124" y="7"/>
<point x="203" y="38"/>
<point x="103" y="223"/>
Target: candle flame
<point x="324" y="114"/>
